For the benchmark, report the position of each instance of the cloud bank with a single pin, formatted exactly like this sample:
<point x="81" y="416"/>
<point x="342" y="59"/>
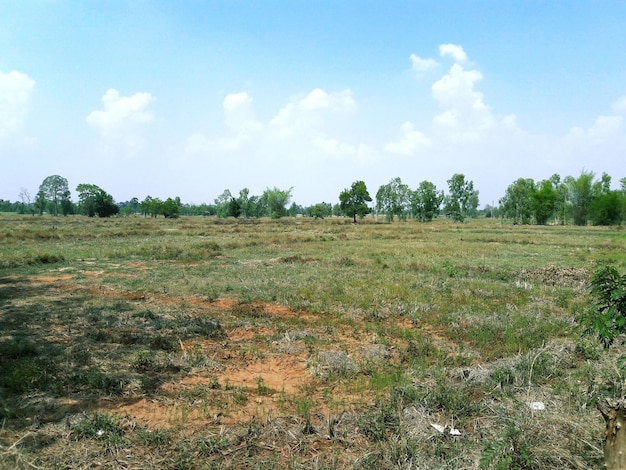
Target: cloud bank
<point x="15" y="91"/>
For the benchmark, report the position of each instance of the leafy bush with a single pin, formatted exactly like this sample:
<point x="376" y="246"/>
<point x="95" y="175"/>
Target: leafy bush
<point x="608" y="318"/>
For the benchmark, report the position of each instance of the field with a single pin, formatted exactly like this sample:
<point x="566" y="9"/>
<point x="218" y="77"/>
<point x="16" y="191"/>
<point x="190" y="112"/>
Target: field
<point x="210" y="343"/>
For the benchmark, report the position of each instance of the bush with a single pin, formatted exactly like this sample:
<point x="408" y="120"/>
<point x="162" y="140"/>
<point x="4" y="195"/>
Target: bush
<point x="607" y="319"/>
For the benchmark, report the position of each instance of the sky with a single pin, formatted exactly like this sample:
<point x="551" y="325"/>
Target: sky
<point x="188" y="98"/>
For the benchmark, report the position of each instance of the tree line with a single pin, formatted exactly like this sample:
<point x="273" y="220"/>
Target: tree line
<point x="580" y="201"/>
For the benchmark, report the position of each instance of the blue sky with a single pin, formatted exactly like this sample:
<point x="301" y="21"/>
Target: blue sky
<point x="188" y="98"/>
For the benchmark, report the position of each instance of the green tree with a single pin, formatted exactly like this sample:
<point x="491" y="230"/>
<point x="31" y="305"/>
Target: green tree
<point x="94" y="201"/>
<point x="393" y="199"/>
<point x="353" y="201"/>
<point x="426" y="201"/>
<point x="462" y="198"/>
<point x="55" y="190"/>
<point x="320" y="210"/>
<point x="171" y="208"/>
<point x="545" y="199"/>
<point x="40" y="202"/>
<point x="248" y="205"/>
<point x="607" y="208"/>
<point x="275" y="201"/>
<point x="145" y="206"/>
<point x="580" y="193"/>
<point x="562" y="207"/>
<point x="227" y="205"/>
<point x="517" y="203"/>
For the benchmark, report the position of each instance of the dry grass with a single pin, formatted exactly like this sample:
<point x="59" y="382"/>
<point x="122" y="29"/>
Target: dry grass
<point x="203" y="343"/>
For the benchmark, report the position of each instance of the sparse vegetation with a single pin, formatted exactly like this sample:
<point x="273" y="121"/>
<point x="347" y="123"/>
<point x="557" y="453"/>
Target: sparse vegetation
<point x="300" y="343"/>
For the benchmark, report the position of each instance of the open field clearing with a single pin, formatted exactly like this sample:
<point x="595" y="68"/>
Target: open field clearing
<point x="210" y="343"/>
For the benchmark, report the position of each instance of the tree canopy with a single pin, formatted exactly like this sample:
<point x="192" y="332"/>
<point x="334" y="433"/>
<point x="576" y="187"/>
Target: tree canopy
<point x="353" y="201"/>
<point x="54" y="192"/>
<point x="94" y="201"/>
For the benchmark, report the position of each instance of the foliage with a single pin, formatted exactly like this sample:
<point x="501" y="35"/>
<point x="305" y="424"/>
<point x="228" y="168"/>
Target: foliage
<point x="510" y="451"/>
<point x="54" y="190"/>
<point x="580" y="193"/>
<point x="392" y="199"/>
<point x="94" y="201"/>
<point x="320" y="210"/>
<point x="545" y="198"/>
<point x="276" y="200"/>
<point x="171" y="208"/>
<point x="517" y="202"/>
<point x="607" y="208"/>
<point x="462" y="199"/>
<point x="426" y="201"/>
<point x="608" y="318"/>
<point x="353" y="201"/>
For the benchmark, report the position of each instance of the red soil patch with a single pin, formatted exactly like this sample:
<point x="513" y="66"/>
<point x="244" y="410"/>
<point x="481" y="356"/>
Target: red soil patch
<point x="278" y="373"/>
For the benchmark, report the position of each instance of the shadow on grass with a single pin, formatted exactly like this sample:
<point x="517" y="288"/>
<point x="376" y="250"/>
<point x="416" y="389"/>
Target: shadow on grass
<point x="63" y="351"/>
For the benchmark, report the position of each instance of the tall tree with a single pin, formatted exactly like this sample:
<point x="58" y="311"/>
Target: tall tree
<point x="353" y="201"/>
<point x="462" y="198"/>
<point x="55" y="190"/>
<point x="517" y="202"/>
<point x="580" y="193"/>
<point x="545" y="200"/>
<point x="392" y="199"/>
<point x="426" y="201"/>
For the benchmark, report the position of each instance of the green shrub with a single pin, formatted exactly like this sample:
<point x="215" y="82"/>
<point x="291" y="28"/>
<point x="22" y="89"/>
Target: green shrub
<point x="607" y="319"/>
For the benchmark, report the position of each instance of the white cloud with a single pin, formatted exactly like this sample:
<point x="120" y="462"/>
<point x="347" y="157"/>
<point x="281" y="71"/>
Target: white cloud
<point x="464" y="111"/>
<point x="311" y="113"/>
<point x="411" y="142"/>
<point x="605" y="128"/>
<point x="15" y="91"/>
<point x="619" y="106"/>
<point x="121" y="114"/>
<point x="421" y="66"/>
<point x="454" y="51"/>
<point x="239" y="117"/>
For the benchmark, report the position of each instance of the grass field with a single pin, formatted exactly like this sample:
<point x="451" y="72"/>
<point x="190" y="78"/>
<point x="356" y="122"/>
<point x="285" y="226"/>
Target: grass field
<point x="206" y="343"/>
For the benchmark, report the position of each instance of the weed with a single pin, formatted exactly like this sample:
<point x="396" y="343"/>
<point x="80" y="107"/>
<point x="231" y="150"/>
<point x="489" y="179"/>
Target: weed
<point x="261" y="388"/>
<point x="380" y="423"/>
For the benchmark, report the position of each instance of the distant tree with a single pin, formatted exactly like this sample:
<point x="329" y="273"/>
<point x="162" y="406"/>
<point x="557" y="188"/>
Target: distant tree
<point x="94" y="201"/>
<point x="517" y="203"/>
<point x="580" y="193"/>
<point x="145" y="206"/>
<point x="353" y="201"/>
<point x="248" y="205"/>
<point x="67" y="206"/>
<point x="55" y="190"/>
<point x="275" y="201"/>
<point x="607" y="208"/>
<point x="295" y="209"/>
<point x="227" y="205"/>
<point x="320" y="210"/>
<point x="392" y="199"/>
<point x="426" y="201"/>
<point x="545" y="199"/>
<point x="462" y="198"/>
<point x="40" y="202"/>
<point x="171" y="208"/>
<point x="27" y="201"/>
<point x="130" y="207"/>
<point x="562" y="208"/>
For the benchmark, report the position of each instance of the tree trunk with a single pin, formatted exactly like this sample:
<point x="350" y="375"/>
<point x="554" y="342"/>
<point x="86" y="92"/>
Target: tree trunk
<point x="614" y="413"/>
